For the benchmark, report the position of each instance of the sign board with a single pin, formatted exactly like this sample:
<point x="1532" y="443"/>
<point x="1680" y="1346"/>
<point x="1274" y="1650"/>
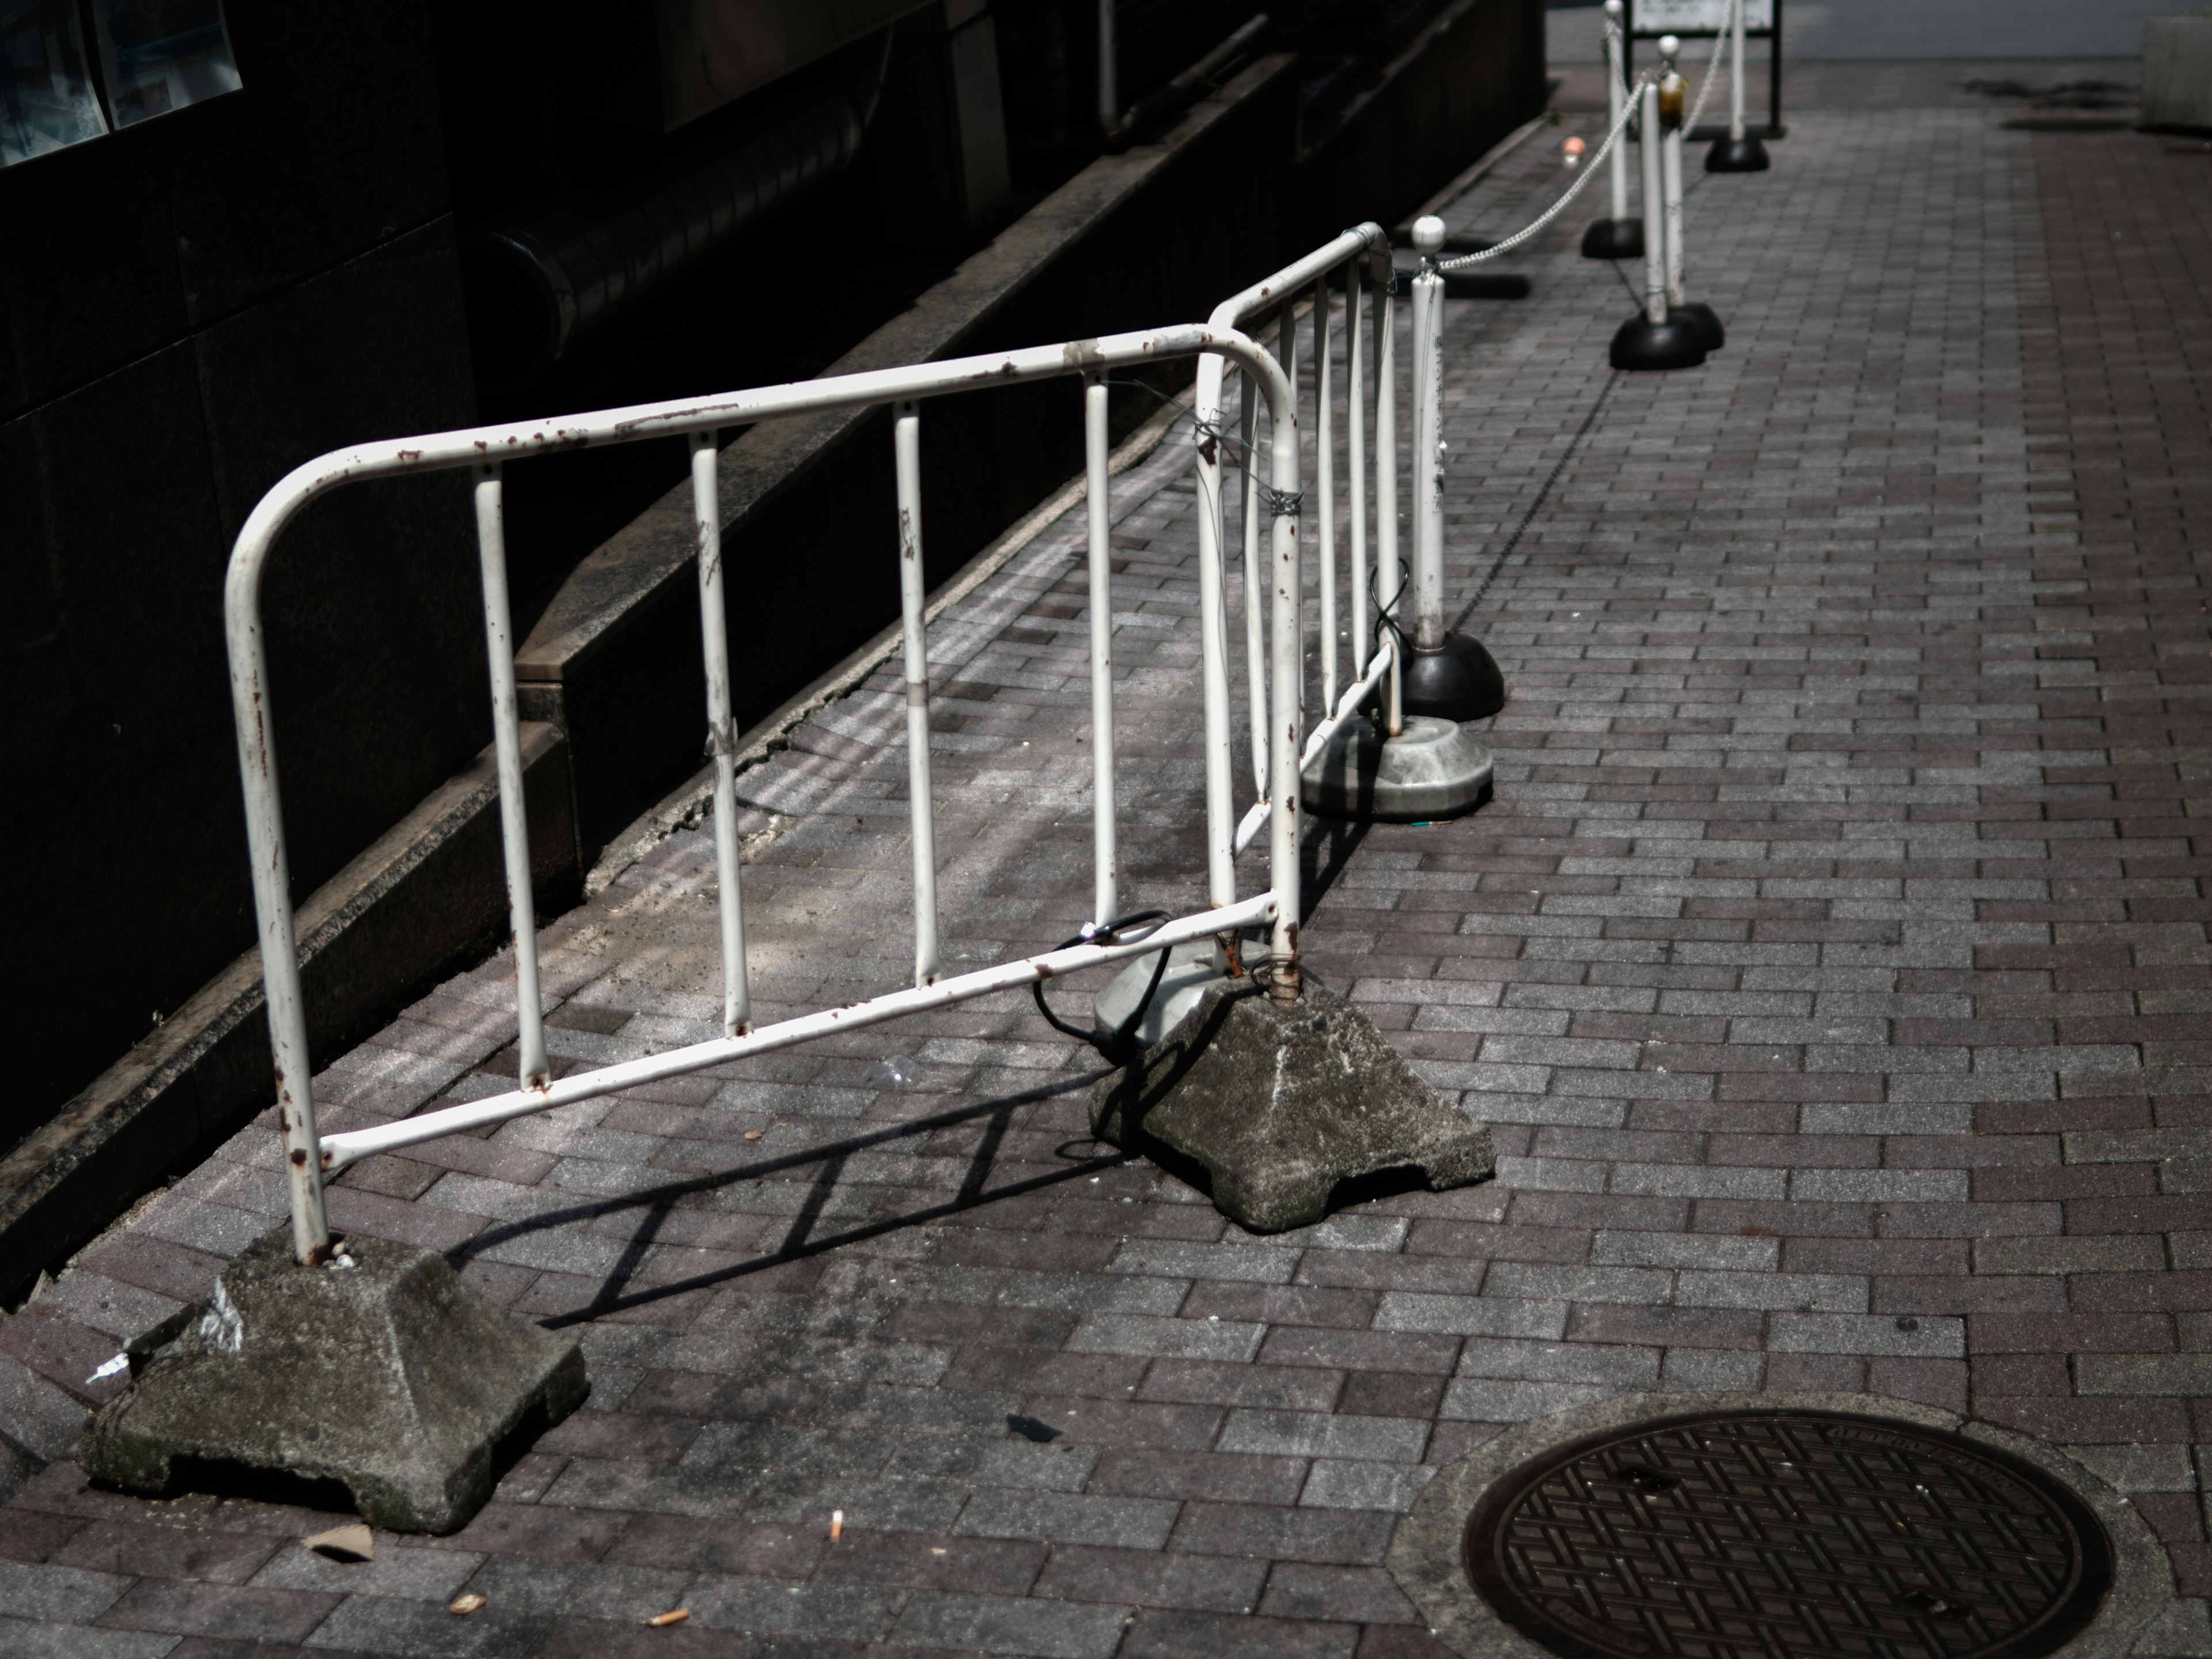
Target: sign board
<point x="1648" y="19"/>
<point x="1656" y="17"/>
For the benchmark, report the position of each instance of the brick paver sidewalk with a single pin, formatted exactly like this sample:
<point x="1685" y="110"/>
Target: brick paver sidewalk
<point x="1832" y="965"/>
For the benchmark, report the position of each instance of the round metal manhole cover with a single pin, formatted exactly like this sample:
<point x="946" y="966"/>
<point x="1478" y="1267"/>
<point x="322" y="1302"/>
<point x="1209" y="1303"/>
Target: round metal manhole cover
<point x="1787" y="1535"/>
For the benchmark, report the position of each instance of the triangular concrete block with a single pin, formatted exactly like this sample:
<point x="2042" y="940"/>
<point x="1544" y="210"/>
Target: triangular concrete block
<point x="1281" y="1102"/>
<point x="384" y="1370"/>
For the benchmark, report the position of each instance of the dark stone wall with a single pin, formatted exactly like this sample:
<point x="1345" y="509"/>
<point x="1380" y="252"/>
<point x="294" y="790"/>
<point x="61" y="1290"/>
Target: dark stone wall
<point x="190" y="307"/>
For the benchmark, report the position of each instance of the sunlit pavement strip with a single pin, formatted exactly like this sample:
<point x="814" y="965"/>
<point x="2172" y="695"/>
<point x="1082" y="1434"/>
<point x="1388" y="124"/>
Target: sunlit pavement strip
<point x="1832" y="966"/>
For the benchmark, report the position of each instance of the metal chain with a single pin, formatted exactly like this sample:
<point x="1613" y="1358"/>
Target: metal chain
<point x="1706" y="86"/>
<point x="1589" y="172"/>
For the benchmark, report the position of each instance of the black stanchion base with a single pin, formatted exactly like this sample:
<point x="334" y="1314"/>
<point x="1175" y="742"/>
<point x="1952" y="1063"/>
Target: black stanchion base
<point x="1489" y="285"/>
<point x="1458" y="682"/>
<point x="1643" y="344"/>
<point x="1744" y="154"/>
<point x="1615" y="239"/>
<point x="1701" y="317"/>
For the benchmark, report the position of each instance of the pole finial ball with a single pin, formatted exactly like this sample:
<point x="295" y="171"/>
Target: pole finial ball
<point x="1670" y="48"/>
<point x="1428" y="234"/>
<point x="1614" y="9"/>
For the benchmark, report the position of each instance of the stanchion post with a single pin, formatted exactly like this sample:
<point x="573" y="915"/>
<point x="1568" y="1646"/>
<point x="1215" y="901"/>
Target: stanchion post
<point x="1673" y="90"/>
<point x="1652" y="338"/>
<point x="1739" y="152"/>
<point x="1617" y="237"/>
<point x="1448" y="676"/>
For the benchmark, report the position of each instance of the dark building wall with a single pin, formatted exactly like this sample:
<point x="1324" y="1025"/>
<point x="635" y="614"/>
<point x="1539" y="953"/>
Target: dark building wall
<point x="192" y="306"/>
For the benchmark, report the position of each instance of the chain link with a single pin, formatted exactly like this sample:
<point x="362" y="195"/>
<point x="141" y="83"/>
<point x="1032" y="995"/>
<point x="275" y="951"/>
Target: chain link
<point x="1704" y="89"/>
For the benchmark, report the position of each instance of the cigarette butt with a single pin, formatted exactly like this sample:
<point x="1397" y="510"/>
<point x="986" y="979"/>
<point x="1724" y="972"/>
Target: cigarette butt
<point x="675" y="1616"/>
<point x="462" y="1605"/>
<point x="836" y="1525"/>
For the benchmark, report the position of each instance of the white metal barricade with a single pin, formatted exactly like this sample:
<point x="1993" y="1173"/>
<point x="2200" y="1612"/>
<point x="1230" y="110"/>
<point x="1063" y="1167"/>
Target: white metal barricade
<point x="312" y="1158"/>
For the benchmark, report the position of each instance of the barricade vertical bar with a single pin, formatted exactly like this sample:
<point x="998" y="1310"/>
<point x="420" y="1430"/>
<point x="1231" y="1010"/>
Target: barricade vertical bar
<point x="1255" y="643"/>
<point x="1649" y="145"/>
<point x="1670" y="183"/>
<point x="1325" y="469"/>
<point x="1213" y="641"/>
<point x="507" y="739"/>
<point x="906" y="442"/>
<point x="1428" y="461"/>
<point x="1355" y="455"/>
<point x="1287" y="353"/>
<point x="272" y="911"/>
<point x="1388" y="584"/>
<point x="1286" y="693"/>
<point x="1105" y="877"/>
<point x="722" y="731"/>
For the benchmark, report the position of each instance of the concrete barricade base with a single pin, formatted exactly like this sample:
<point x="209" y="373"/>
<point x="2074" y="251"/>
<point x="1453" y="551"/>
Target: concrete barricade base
<point x="1434" y="768"/>
<point x="382" y="1371"/>
<point x="1275" y="1106"/>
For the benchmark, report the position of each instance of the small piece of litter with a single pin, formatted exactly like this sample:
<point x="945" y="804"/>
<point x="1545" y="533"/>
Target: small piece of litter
<point x="673" y="1616"/>
<point x="108" y="1370"/>
<point x="892" y="1072"/>
<point x="836" y="1525"/>
<point x="755" y="1134"/>
<point x="351" y="1542"/>
<point x="462" y="1605"/>
<point x="934" y="1550"/>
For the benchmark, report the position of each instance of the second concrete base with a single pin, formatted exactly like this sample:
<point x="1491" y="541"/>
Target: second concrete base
<point x="1281" y="1104"/>
<point x="1433" y="769"/>
<point x="383" y="1370"/>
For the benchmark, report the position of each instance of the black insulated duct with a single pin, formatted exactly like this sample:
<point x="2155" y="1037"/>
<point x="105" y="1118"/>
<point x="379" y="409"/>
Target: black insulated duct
<point x="549" y="277"/>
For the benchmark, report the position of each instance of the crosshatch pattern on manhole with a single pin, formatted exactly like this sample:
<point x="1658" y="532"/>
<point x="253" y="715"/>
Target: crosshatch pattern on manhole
<point x="1787" y="1535"/>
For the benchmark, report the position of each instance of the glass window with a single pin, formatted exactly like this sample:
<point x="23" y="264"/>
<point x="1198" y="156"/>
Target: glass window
<point x="46" y="100"/>
<point x="161" y="55"/>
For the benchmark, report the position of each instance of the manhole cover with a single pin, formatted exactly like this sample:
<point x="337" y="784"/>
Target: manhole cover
<point x="1787" y="1535"/>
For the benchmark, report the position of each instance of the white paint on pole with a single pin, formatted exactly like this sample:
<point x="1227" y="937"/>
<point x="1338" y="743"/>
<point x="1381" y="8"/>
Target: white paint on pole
<point x="1616" y="93"/>
<point x="1105" y="880"/>
<point x="506" y="746"/>
<point x="721" y="730"/>
<point x="1649" y="145"/>
<point x="913" y="593"/>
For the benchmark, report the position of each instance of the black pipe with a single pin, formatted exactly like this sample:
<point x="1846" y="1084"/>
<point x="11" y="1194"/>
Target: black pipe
<point x="550" y="278"/>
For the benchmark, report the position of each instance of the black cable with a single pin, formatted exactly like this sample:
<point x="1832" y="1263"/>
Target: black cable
<point x="1520" y="529"/>
<point x="1115" y="1046"/>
